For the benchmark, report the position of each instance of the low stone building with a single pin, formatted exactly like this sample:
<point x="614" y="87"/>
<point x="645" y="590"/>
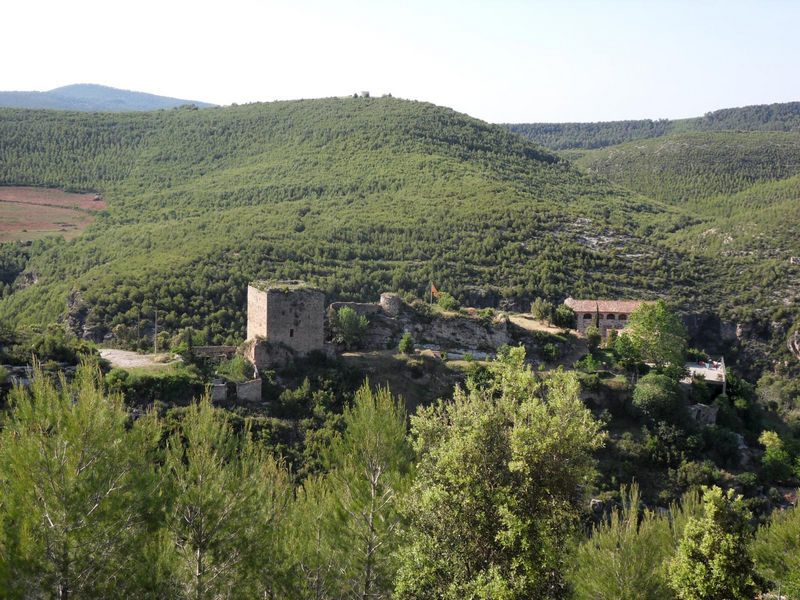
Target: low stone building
<point x="612" y="314"/>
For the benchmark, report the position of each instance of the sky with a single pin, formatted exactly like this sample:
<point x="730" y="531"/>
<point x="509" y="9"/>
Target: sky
<point x="499" y="60"/>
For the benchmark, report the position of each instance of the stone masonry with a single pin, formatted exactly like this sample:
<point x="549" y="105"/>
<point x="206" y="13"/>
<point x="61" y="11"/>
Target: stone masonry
<point x="613" y="314"/>
<point x="286" y="312"/>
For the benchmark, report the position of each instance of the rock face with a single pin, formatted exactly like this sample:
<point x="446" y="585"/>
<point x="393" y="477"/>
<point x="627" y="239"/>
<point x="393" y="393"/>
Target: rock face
<point x="704" y="414"/>
<point x="391" y="318"/>
<point x="793" y="343"/>
<point x="79" y="321"/>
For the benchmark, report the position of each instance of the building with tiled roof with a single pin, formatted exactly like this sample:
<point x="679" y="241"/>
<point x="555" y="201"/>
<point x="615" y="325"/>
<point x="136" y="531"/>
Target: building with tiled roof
<point x="613" y="314"/>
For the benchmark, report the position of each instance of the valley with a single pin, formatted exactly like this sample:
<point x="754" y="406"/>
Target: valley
<point x="497" y="427"/>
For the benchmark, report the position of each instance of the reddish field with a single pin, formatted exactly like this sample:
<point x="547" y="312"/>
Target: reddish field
<point x="29" y="213"/>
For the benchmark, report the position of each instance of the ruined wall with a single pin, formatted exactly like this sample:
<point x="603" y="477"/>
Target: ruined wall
<point x="361" y="308"/>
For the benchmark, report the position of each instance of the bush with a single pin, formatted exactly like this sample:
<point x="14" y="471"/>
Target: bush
<point x="542" y="309"/>
<point x="349" y="327"/>
<point x="593" y="338"/>
<point x="406" y="345"/>
<point x="564" y="316"/>
<point x="658" y="397"/>
<point x="446" y="301"/>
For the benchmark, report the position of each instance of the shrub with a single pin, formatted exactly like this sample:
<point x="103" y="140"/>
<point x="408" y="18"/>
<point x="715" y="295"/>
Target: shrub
<point x="658" y="397"/>
<point x="406" y="345"/>
<point x="446" y="301"/>
<point x="593" y="338"/>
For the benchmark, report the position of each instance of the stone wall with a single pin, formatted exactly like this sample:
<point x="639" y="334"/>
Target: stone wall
<point x="290" y="314"/>
<point x="361" y="308"/>
<point x="256" y="312"/>
<point x="249" y="391"/>
<point x="605" y="324"/>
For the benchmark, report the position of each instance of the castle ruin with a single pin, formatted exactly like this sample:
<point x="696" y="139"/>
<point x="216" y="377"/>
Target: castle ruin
<point x="286" y="312"/>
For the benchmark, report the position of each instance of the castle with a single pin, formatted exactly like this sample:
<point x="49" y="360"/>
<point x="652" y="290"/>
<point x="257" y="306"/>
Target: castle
<point x="286" y="312"/>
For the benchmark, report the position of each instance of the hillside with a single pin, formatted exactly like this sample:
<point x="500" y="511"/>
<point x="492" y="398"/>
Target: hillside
<point x="566" y="136"/>
<point x="91" y="97"/>
<point x="357" y="196"/>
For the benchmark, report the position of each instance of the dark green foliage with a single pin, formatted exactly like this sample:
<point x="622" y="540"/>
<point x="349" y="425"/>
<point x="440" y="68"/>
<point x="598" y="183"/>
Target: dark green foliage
<point x="202" y="201"/>
<point x="542" y="309"/>
<point x="561" y="136"/>
<point x="593" y="338"/>
<point x="564" y="316"/>
<point x="349" y="327"/>
<point x="406" y="345"/>
<point x="446" y="301"/>
<point x="658" y="398"/>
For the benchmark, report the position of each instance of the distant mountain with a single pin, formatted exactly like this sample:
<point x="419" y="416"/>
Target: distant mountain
<point x="587" y="136"/>
<point x="91" y="97"/>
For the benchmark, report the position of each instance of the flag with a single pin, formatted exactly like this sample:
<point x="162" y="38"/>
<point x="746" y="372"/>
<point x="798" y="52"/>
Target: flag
<point x="434" y="291"/>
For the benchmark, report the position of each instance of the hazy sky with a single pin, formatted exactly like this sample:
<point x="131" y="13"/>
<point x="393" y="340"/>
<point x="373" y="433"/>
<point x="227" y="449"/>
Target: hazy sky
<point x="498" y="60"/>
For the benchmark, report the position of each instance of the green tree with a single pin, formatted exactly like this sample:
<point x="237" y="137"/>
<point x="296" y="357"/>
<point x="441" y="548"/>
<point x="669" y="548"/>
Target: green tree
<point x="776" y="464"/>
<point x="349" y="327"/>
<point x="714" y="560"/>
<point x="74" y="475"/>
<point x="564" y="316"/>
<point x="446" y="301"/>
<point x="777" y="551"/>
<point x="593" y="338"/>
<point x="625" y="556"/>
<point x="368" y="468"/>
<point x="542" y="309"/>
<point x="227" y="498"/>
<point x="659" y="398"/>
<point x="499" y="474"/>
<point x="406" y="345"/>
<point x="625" y="351"/>
<point x="657" y="335"/>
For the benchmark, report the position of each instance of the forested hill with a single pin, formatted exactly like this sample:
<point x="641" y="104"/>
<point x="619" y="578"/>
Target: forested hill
<point x="355" y="195"/>
<point x="568" y="136"/>
<point x="91" y="97"/>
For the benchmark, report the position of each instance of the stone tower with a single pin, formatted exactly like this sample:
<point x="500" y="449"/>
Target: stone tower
<point x="287" y="312"/>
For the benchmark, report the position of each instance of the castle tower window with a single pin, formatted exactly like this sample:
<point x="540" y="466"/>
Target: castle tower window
<point x="291" y="333"/>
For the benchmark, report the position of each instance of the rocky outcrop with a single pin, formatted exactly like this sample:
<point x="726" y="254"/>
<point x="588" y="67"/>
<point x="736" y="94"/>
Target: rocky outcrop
<point x="455" y="331"/>
<point x="79" y="319"/>
<point x="793" y="343"/>
<point x="703" y="414"/>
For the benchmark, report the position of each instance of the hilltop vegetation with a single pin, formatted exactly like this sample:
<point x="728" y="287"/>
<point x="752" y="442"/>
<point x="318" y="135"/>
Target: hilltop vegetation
<point x="354" y="195"/>
<point x="364" y="195"/>
<point x="585" y="136"/>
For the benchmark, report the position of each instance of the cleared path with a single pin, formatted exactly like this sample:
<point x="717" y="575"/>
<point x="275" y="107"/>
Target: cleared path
<point x="129" y="360"/>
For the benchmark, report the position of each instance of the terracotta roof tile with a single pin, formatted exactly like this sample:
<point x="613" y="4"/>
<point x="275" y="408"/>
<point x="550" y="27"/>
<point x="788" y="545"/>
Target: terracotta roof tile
<point x="604" y="306"/>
